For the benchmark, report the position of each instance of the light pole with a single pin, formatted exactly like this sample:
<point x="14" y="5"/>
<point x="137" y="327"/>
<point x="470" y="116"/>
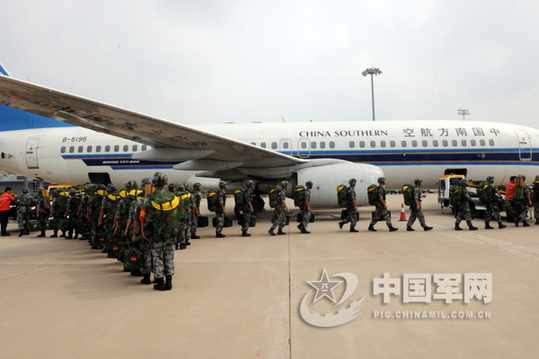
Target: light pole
<point x="463" y="112"/>
<point x="372" y="71"/>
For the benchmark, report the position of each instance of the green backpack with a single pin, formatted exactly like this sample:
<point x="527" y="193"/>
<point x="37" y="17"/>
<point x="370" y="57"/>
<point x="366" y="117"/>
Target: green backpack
<point x="342" y="196"/>
<point x="273" y="197"/>
<point x="455" y="196"/>
<point x="211" y="196"/>
<point x="162" y="213"/>
<point x="238" y="198"/>
<point x="299" y="196"/>
<point x="184" y="205"/>
<point x="372" y="192"/>
<point x="483" y="192"/>
<point x="408" y="193"/>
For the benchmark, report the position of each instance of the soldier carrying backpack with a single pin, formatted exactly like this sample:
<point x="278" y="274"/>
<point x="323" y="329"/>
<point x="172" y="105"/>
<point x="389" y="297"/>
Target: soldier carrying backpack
<point x="416" y="211"/>
<point x="522" y="200"/>
<point x="351" y="206"/>
<point x="535" y="198"/>
<point x="380" y="205"/>
<point x="488" y="197"/>
<point x="459" y="200"/>
<point x="302" y="199"/>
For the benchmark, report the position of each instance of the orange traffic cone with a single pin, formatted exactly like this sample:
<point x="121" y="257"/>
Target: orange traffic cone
<point x="403" y="215"/>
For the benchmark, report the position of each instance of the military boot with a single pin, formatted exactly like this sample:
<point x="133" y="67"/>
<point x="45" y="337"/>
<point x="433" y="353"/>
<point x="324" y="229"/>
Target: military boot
<point x="501" y="225"/>
<point x="304" y="231"/>
<point x="341" y="224"/>
<point x="168" y="284"/>
<point x="160" y="284"/>
<point x="472" y="227"/>
<point x="488" y="226"/>
<point x="353" y="229"/>
<point x="393" y="229"/>
<point x="21" y="233"/>
<point x="54" y="234"/>
<point x="245" y="234"/>
<point x="525" y="224"/>
<point x="280" y="232"/>
<point x="146" y="279"/>
<point x="427" y="228"/>
<point x="271" y="232"/>
<point x="457" y="227"/>
<point x="42" y="234"/>
<point x="371" y="228"/>
<point x="409" y="229"/>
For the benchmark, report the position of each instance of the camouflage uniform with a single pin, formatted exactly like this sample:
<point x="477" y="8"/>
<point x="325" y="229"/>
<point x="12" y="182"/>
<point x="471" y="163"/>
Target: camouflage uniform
<point x="94" y="208"/>
<point x="535" y="199"/>
<point x="522" y="204"/>
<point x="195" y="195"/>
<point x="25" y="202"/>
<point x="463" y="210"/>
<point x="381" y="213"/>
<point x="59" y="206"/>
<point x="492" y="208"/>
<point x="350" y="209"/>
<point x="246" y="210"/>
<point x="279" y="213"/>
<point x="219" y="214"/>
<point x="72" y="213"/>
<point x="144" y="245"/>
<point x="305" y="211"/>
<point x="163" y="220"/>
<point x="415" y="212"/>
<point x="43" y="210"/>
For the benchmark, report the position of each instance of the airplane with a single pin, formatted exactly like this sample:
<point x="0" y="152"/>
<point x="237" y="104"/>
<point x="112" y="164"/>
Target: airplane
<point x="60" y="137"/>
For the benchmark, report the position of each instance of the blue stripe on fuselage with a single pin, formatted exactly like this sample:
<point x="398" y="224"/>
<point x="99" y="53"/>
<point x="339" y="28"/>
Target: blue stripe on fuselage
<point x="12" y="119"/>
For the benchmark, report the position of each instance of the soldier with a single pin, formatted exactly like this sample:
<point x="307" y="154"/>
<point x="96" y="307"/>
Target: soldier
<point x="381" y="211"/>
<point x="71" y="214"/>
<point x="281" y="209"/>
<point x="492" y="197"/>
<point x="305" y="208"/>
<point x="58" y="208"/>
<point x="184" y="212"/>
<point x="247" y="208"/>
<point x="416" y="211"/>
<point x="25" y="202"/>
<point x="522" y="200"/>
<point x="535" y="197"/>
<point x="160" y="213"/>
<point x="94" y="209"/>
<point x="43" y="209"/>
<point x="351" y="206"/>
<point x="220" y="210"/>
<point x="195" y="195"/>
<point x="462" y="207"/>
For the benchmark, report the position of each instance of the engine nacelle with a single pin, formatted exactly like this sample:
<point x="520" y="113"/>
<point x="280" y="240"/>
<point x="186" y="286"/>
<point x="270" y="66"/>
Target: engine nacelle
<point x="326" y="179"/>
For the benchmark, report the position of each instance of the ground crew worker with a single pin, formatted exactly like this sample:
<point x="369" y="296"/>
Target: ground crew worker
<point x="25" y="202"/>
<point x="381" y="211"/>
<point x="247" y="209"/>
<point x="462" y="211"/>
<point x="416" y="211"/>
<point x="5" y="206"/>
<point x="220" y="211"/>
<point x="492" y="196"/>
<point x="522" y="200"/>
<point x="195" y="194"/>
<point x="351" y="206"/>
<point x="281" y="209"/>
<point x="305" y="208"/>
<point x="160" y="213"/>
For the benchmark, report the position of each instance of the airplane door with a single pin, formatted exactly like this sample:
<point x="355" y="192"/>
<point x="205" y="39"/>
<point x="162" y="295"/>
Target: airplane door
<point x="304" y="148"/>
<point x="31" y="153"/>
<point x="524" y="146"/>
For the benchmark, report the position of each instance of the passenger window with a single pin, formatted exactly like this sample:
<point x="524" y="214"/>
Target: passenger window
<point x="362" y="144"/>
<point x="63" y="149"/>
<point x="392" y="143"/>
<point x="482" y="143"/>
<point x="454" y="143"/>
<point x="383" y="144"/>
<point x="285" y="145"/>
<point x="89" y="149"/>
<point x="404" y="143"/>
<point x="472" y="142"/>
<point x="351" y="144"/>
<point x="71" y="149"/>
<point x="424" y="143"/>
<point x="313" y="144"/>
<point x="322" y="144"/>
<point x="414" y="143"/>
<point x="491" y="142"/>
<point x="435" y="143"/>
<point x="263" y="144"/>
<point x="304" y="145"/>
<point x="98" y="148"/>
<point x="445" y="143"/>
<point x="81" y="148"/>
<point x="463" y="142"/>
<point x="373" y="144"/>
<point x="116" y="148"/>
<point x="107" y="148"/>
<point x="126" y="148"/>
<point x="274" y="145"/>
<point x="144" y="147"/>
<point x="135" y="148"/>
<point x="331" y="144"/>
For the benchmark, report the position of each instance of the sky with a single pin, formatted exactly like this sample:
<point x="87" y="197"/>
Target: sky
<point x="260" y="61"/>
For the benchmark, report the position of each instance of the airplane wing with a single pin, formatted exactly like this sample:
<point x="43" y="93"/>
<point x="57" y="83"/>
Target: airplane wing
<point x="197" y="150"/>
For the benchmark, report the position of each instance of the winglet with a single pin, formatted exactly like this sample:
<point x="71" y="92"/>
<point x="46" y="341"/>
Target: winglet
<point x="3" y="70"/>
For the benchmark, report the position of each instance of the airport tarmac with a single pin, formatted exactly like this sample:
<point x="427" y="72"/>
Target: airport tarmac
<point x="241" y="297"/>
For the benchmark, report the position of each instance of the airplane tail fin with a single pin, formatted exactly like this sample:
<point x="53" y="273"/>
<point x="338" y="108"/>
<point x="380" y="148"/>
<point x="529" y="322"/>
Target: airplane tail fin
<point x="3" y="70"/>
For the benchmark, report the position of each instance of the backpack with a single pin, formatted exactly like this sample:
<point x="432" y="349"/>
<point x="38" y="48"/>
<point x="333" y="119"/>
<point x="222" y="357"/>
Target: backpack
<point x="299" y="196"/>
<point x="536" y="191"/>
<point x="342" y="195"/>
<point x="184" y="205"/>
<point x="161" y="212"/>
<point x="519" y="189"/>
<point x="408" y="193"/>
<point x="211" y="196"/>
<point x="483" y="192"/>
<point x="455" y="196"/>
<point x="273" y="197"/>
<point x="372" y="192"/>
<point x="238" y="198"/>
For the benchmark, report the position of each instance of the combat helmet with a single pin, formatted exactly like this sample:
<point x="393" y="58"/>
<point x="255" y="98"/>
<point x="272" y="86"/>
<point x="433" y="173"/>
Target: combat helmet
<point x="284" y="184"/>
<point x="418" y="181"/>
<point x="352" y="181"/>
<point x="490" y="179"/>
<point x="309" y="184"/>
<point x="463" y="182"/>
<point x="159" y="179"/>
<point x="381" y="180"/>
<point x="222" y="184"/>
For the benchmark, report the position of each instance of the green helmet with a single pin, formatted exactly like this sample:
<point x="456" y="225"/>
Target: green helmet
<point x="197" y="186"/>
<point x="381" y="180"/>
<point x="159" y="179"/>
<point x="222" y="184"/>
<point x="418" y="181"/>
<point x="284" y="184"/>
<point x="171" y="187"/>
<point x="72" y="192"/>
<point x="490" y="179"/>
<point x="308" y="184"/>
<point x="352" y="181"/>
<point x="111" y="188"/>
<point x="463" y="182"/>
<point x="145" y="181"/>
